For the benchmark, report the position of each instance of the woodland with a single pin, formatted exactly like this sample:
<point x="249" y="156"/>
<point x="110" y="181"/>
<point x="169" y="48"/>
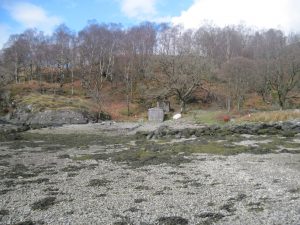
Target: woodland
<point x="233" y="68"/>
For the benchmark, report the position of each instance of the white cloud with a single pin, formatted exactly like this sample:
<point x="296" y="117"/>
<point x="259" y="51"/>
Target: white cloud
<point x="293" y="8"/>
<point x="138" y="8"/>
<point x="283" y="14"/>
<point x="33" y="16"/>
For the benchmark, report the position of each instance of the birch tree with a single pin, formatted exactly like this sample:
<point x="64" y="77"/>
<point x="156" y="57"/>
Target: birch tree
<point x="182" y="69"/>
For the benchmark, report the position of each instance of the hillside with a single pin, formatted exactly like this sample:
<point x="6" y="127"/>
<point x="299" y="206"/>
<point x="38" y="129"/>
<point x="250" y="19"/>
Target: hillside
<point x="205" y="107"/>
<point x="108" y="72"/>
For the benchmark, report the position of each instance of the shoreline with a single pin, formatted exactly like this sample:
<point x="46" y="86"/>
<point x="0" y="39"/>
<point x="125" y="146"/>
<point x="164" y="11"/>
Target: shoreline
<point x="177" y="129"/>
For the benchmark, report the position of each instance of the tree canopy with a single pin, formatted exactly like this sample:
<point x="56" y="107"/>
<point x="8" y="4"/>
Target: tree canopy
<point x="173" y="59"/>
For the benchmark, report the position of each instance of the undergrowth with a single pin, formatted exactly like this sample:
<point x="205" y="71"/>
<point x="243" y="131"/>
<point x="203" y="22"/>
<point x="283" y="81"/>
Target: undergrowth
<point x="270" y="116"/>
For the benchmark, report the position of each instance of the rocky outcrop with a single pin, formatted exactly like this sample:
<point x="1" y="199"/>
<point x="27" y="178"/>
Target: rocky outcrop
<point x="5" y="96"/>
<point x="49" y="118"/>
<point x="21" y="121"/>
<point x="280" y="128"/>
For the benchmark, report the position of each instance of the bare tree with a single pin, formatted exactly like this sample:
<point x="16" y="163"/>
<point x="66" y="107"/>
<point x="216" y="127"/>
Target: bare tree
<point x="133" y="62"/>
<point x="5" y="76"/>
<point x="278" y="64"/>
<point x="5" y="79"/>
<point x="15" y="55"/>
<point x="179" y="60"/>
<point x="62" y="41"/>
<point x="142" y="39"/>
<point x="73" y="59"/>
<point x="264" y="47"/>
<point x="285" y="77"/>
<point x="259" y="82"/>
<point x="125" y="66"/>
<point x="182" y="69"/>
<point x="238" y="73"/>
<point x="97" y="45"/>
<point x="220" y="45"/>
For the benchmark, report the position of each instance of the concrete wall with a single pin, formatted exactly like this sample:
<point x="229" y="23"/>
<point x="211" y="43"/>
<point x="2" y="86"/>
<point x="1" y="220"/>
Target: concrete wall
<point x="156" y="115"/>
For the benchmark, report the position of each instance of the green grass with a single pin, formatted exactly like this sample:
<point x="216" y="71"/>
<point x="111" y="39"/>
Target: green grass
<point x="147" y="152"/>
<point x="207" y="117"/>
<point x="208" y="148"/>
<point x="83" y="157"/>
<point x="41" y="102"/>
<point x="271" y="116"/>
<point x="81" y="141"/>
<point x="216" y="117"/>
<point x="174" y="154"/>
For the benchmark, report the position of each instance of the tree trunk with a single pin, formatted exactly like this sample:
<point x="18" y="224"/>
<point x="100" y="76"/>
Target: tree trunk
<point x="128" y="105"/>
<point x="72" y="77"/>
<point x="239" y="103"/>
<point x="182" y="106"/>
<point x="31" y="72"/>
<point x="40" y="84"/>
<point x="281" y="99"/>
<point x="228" y="103"/>
<point x="16" y="72"/>
<point x="128" y="94"/>
<point x="131" y="89"/>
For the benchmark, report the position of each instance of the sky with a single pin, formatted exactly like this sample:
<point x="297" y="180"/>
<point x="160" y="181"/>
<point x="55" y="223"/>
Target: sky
<point x="45" y="15"/>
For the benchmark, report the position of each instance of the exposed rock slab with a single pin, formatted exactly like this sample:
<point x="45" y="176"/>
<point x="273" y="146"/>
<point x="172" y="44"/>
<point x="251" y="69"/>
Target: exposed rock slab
<point x="49" y="118"/>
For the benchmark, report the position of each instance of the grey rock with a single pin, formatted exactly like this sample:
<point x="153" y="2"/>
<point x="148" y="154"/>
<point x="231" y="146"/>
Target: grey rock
<point x="291" y="126"/>
<point x="60" y="117"/>
<point x="162" y="131"/>
<point x="187" y="132"/>
<point x="49" y="118"/>
<point x="286" y="129"/>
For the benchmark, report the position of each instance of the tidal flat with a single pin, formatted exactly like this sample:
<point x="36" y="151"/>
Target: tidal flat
<point x="76" y="178"/>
